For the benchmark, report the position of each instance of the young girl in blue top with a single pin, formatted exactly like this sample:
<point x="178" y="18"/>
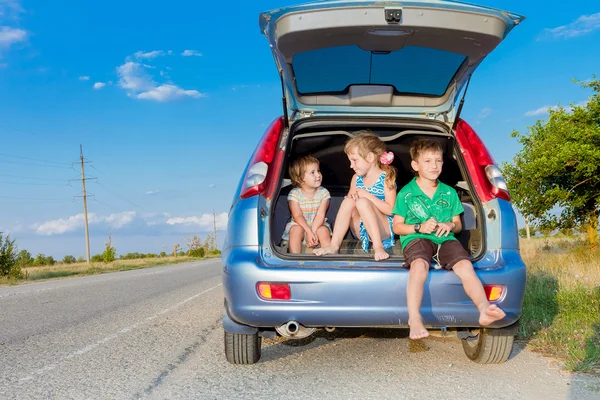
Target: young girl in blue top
<point x="367" y="208"/>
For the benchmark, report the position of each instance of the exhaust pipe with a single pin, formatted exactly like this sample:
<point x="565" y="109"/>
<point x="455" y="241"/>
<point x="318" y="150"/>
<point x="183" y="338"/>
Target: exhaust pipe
<point x="294" y="330"/>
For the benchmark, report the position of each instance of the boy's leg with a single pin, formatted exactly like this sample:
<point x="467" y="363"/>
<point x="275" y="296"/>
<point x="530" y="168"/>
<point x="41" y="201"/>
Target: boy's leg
<point x="376" y="224"/>
<point x="342" y="223"/>
<point x="453" y="256"/>
<point x="414" y="295"/>
<point x="296" y="237"/>
<point x="324" y="236"/>
<point x="417" y="254"/>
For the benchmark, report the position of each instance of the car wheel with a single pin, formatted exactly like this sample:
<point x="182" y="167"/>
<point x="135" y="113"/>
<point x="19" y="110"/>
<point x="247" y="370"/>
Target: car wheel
<point x="490" y="346"/>
<point x="241" y="348"/>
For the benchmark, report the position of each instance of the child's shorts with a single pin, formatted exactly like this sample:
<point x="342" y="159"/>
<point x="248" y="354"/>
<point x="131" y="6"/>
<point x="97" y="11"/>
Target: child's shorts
<point x="446" y="255"/>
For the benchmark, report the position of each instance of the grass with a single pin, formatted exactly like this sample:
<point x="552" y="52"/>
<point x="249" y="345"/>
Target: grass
<point x="561" y="310"/>
<point x="82" y="269"/>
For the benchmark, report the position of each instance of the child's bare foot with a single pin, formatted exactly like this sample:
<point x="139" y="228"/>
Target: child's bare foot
<point x="325" y="250"/>
<point x="380" y="254"/>
<point x="417" y="329"/>
<point x="490" y="313"/>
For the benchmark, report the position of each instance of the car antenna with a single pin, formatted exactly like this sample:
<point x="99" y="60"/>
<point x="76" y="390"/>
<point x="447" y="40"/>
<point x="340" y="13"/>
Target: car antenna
<point x="460" y="105"/>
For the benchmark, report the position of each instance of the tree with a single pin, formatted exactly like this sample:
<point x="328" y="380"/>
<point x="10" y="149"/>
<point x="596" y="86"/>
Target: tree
<point x="69" y="259"/>
<point x="24" y="258"/>
<point x="558" y="167"/>
<point x="110" y="253"/>
<point x="8" y="258"/>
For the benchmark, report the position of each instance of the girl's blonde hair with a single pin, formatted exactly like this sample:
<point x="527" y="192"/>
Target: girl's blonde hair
<point x="298" y="169"/>
<point x="366" y="142"/>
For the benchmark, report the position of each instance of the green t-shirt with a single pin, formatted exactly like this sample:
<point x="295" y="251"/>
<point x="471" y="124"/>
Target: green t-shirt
<point x="416" y="208"/>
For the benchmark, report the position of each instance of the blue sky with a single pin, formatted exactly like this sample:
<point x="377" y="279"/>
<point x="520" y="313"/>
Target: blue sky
<point x="169" y="100"/>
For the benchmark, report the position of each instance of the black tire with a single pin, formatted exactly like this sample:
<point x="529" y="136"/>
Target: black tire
<point x="242" y="349"/>
<point x="490" y="346"/>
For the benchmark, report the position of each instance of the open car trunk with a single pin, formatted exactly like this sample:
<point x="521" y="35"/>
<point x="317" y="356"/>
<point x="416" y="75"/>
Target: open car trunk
<point x="325" y="140"/>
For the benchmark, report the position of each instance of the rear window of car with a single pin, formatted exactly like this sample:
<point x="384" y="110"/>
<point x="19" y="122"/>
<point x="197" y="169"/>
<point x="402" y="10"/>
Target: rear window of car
<point x="410" y="70"/>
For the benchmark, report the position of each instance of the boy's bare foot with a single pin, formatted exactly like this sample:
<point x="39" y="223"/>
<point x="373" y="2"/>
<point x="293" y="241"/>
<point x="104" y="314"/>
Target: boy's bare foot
<point x="490" y="313"/>
<point x="417" y="329"/>
<point x="325" y="250"/>
<point x="380" y="254"/>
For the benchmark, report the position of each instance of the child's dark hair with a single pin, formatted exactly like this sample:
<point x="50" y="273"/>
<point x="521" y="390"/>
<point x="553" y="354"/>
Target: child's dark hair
<point x="298" y="169"/>
<point x="421" y="146"/>
<point x="366" y="142"/>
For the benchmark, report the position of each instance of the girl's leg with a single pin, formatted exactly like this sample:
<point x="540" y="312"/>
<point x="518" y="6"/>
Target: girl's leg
<point x="296" y="237"/>
<point x="342" y="223"/>
<point x="376" y="224"/>
<point x="324" y="236"/>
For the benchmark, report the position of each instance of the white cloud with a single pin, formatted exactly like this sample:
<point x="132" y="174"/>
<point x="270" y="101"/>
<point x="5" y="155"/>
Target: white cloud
<point x="64" y="225"/>
<point x="167" y="93"/>
<point x="205" y="221"/>
<point x="484" y="113"/>
<point x="10" y="36"/>
<point x="581" y="26"/>
<point x="212" y="185"/>
<point x="152" y="192"/>
<point x="544" y="110"/>
<point x="191" y="53"/>
<point x="99" y="85"/>
<point x="84" y="78"/>
<point x="139" y="84"/>
<point x="149" y="55"/>
<point x="10" y="9"/>
<point x="132" y="223"/>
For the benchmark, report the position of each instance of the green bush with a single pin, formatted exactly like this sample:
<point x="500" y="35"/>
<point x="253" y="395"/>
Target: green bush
<point x="199" y="252"/>
<point x="41" y="260"/>
<point x="24" y="258"/>
<point x="8" y="259"/>
<point x="162" y="254"/>
<point x="97" y="258"/>
<point x="69" y="259"/>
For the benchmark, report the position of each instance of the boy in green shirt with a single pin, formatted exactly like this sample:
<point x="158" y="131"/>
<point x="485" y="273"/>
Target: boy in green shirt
<point x="426" y="216"/>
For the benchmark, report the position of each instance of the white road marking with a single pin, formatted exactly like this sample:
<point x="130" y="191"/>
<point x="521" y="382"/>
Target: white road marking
<point x="92" y="346"/>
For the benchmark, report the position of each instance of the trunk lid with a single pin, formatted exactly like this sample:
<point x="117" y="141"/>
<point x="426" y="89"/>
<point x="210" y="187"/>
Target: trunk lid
<point x="409" y="58"/>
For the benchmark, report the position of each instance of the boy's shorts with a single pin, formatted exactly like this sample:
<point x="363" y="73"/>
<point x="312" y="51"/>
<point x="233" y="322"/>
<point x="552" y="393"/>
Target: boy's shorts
<point x="447" y="254"/>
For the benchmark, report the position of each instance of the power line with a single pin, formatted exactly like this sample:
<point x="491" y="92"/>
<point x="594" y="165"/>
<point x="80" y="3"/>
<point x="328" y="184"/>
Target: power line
<point x="35" y="159"/>
<point x="35" y="165"/>
<point x="33" y="184"/>
<point x="122" y="198"/>
<point x="31" y="177"/>
<point x="30" y="198"/>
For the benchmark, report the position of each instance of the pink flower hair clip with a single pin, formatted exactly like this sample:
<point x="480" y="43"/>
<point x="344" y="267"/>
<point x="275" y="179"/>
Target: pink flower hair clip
<point x="386" y="158"/>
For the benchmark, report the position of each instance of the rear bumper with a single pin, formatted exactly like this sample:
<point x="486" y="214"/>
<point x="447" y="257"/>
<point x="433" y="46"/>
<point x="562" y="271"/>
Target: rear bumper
<point x="361" y="297"/>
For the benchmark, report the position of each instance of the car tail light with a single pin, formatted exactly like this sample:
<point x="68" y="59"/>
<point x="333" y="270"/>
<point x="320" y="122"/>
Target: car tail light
<point x="274" y="291"/>
<point x="265" y="161"/>
<point x="487" y="178"/>
<point x="493" y="292"/>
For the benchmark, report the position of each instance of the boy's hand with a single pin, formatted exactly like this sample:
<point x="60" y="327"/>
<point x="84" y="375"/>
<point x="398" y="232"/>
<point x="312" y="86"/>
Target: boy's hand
<point x="311" y="238"/>
<point x="444" y="228"/>
<point x="428" y="226"/>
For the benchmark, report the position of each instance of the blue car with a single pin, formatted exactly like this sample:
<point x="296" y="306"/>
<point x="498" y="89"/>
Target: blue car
<point x="400" y="70"/>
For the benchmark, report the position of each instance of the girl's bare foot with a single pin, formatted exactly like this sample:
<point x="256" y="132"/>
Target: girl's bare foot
<point x="417" y="329"/>
<point x="490" y="313"/>
<point x="380" y="254"/>
<point x="325" y="250"/>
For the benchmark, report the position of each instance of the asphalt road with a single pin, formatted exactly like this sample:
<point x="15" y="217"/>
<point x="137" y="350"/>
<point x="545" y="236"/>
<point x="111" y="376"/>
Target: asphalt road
<point x="156" y="333"/>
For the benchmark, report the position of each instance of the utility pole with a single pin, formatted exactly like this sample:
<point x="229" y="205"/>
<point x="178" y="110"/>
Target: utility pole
<point x="85" y="216"/>
<point x="215" y="227"/>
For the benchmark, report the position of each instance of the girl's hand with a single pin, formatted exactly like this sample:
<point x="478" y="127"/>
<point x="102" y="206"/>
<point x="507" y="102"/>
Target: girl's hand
<point x="353" y="196"/>
<point x="444" y="228"/>
<point x="312" y="239"/>
<point x="428" y="226"/>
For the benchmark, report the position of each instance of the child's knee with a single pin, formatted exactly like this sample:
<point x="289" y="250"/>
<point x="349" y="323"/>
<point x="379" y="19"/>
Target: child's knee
<point x="323" y="229"/>
<point x="296" y="230"/>
<point x="419" y="267"/>
<point x="363" y="203"/>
